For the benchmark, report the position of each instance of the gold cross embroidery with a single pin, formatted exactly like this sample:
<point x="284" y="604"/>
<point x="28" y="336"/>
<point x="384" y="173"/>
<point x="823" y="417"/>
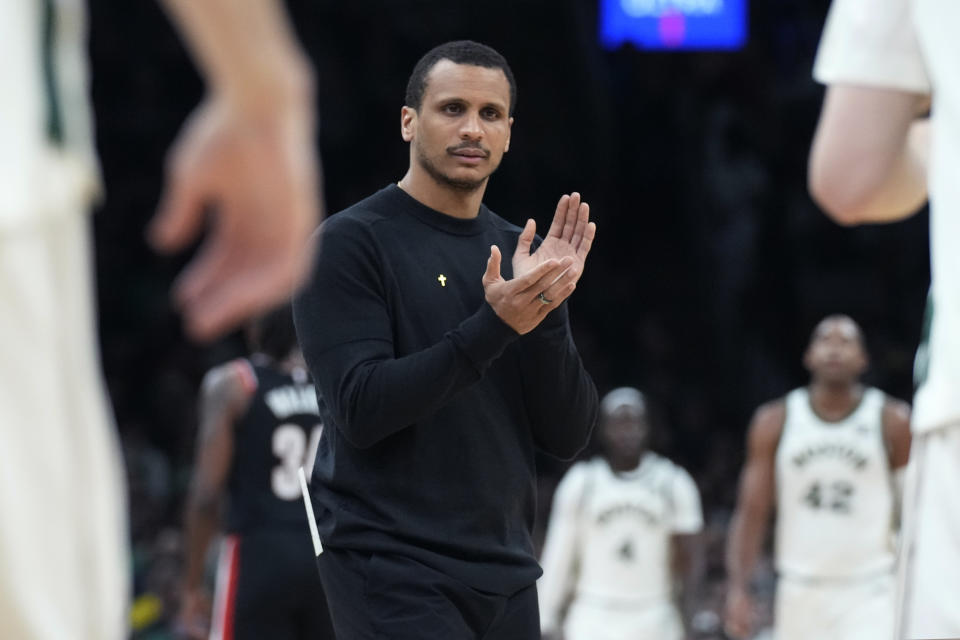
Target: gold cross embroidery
<point x="443" y="280"/>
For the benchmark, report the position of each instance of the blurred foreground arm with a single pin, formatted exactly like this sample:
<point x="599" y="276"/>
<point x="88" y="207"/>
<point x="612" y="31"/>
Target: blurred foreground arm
<point x="868" y="162"/>
<point x="869" y="155"/>
<point x="751" y="518"/>
<point x="247" y="156"/>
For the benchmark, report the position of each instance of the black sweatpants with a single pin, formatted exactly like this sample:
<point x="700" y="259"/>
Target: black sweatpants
<point x="391" y="597"/>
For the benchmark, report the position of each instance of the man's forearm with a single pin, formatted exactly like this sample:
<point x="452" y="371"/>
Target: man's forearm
<point x="869" y="155"/>
<point x="743" y="549"/>
<point x="691" y="572"/>
<point x="372" y="394"/>
<point x="902" y="193"/>
<point x="560" y="395"/>
<point x="246" y="50"/>
<point x="202" y="521"/>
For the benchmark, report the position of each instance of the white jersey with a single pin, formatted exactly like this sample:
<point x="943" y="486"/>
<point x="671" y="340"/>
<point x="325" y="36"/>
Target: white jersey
<point x="835" y="494"/>
<point x="609" y="534"/>
<point x="42" y="81"/>
<point x="912" y="45"/>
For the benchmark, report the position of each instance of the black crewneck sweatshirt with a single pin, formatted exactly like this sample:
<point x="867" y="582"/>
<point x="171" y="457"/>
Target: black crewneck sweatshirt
<point x="432" y="405"/>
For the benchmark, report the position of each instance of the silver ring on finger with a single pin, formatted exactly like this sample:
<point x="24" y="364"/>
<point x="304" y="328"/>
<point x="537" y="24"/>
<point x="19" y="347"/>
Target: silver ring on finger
<point x="544" y="299"/>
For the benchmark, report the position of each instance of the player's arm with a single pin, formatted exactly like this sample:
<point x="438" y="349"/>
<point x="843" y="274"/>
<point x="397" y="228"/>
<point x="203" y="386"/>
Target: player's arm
<point x="868" y="162"/>
<point x="869" y="154"/>
<point x="897" y="436"/>
<point x="224" y="397"/>
<point x="688" y="564"/>
<point x="559" y="558"/>
<point x="751" y="517"/>
<point x="688" y="559"/>
<point x="249" y="150"/>
<point x="246" y="50"/>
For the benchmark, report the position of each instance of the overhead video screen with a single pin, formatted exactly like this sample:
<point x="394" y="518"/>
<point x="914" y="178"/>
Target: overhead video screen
<point x="674" y="24"/>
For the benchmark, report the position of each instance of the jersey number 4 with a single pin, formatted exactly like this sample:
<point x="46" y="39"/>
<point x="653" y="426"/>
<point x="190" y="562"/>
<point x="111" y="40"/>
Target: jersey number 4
<point x="835" y="496"/>
<point x="291" y="447"/>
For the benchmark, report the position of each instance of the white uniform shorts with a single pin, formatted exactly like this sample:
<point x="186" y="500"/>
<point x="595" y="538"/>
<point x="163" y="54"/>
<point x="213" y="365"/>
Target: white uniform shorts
<point x="929" y="584"/>
<point x="838" y="610"/>
<point x="63" y="530"/>
<point x="587" y="620"/>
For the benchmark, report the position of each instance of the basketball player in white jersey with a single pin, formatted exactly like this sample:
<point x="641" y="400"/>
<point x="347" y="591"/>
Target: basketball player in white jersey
<point x="622" y="532"/>
<point x="873" y="160"/>
<point x="829" y="458"/>
<point x="249" y="149"/>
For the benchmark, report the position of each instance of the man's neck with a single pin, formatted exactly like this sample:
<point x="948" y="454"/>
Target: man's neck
<point x="293" y="360"/>
<point x="835" y="401"/>
<point x="440" y="197"/>
<point x="625" y="464"/>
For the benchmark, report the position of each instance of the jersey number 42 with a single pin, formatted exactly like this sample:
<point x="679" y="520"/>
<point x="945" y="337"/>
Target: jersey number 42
<point x="835" y="496"/>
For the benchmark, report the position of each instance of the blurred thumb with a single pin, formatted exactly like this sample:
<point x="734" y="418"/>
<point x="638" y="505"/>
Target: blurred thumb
<point x="179" y="217"/>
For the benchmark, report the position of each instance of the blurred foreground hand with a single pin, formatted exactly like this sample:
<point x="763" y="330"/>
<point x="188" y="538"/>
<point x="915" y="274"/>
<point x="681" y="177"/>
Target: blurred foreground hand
<point x="251" y="180"/>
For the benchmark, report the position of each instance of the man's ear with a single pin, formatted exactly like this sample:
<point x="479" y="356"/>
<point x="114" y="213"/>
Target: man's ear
<point x="509" y="129"/>
<point x="408" y="123"/>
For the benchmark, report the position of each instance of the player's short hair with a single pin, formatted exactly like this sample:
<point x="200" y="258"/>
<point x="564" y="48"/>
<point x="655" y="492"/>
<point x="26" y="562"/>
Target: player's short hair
<point x="458" y="52"/>
<point x="274" y="333"/>
<point x="623" y="397"/>
<point x="841" y="317"/>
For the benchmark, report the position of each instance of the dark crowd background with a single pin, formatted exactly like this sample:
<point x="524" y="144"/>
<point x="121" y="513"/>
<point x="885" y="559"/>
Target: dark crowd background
<point x="711" y="265"/>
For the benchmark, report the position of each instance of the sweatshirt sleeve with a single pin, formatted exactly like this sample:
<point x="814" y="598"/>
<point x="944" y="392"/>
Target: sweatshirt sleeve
<point x="560" y="555"/>
<point x="561" y="399"/>
<point x="345" y="331"/>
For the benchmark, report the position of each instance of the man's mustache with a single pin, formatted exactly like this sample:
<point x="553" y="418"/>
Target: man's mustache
<point x="469" y="145"/>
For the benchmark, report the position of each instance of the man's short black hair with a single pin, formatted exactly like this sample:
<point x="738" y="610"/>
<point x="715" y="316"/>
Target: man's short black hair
<point x="273" y="333"/>
<point x="458" y="52"/>
<point x="842" y="317"/>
